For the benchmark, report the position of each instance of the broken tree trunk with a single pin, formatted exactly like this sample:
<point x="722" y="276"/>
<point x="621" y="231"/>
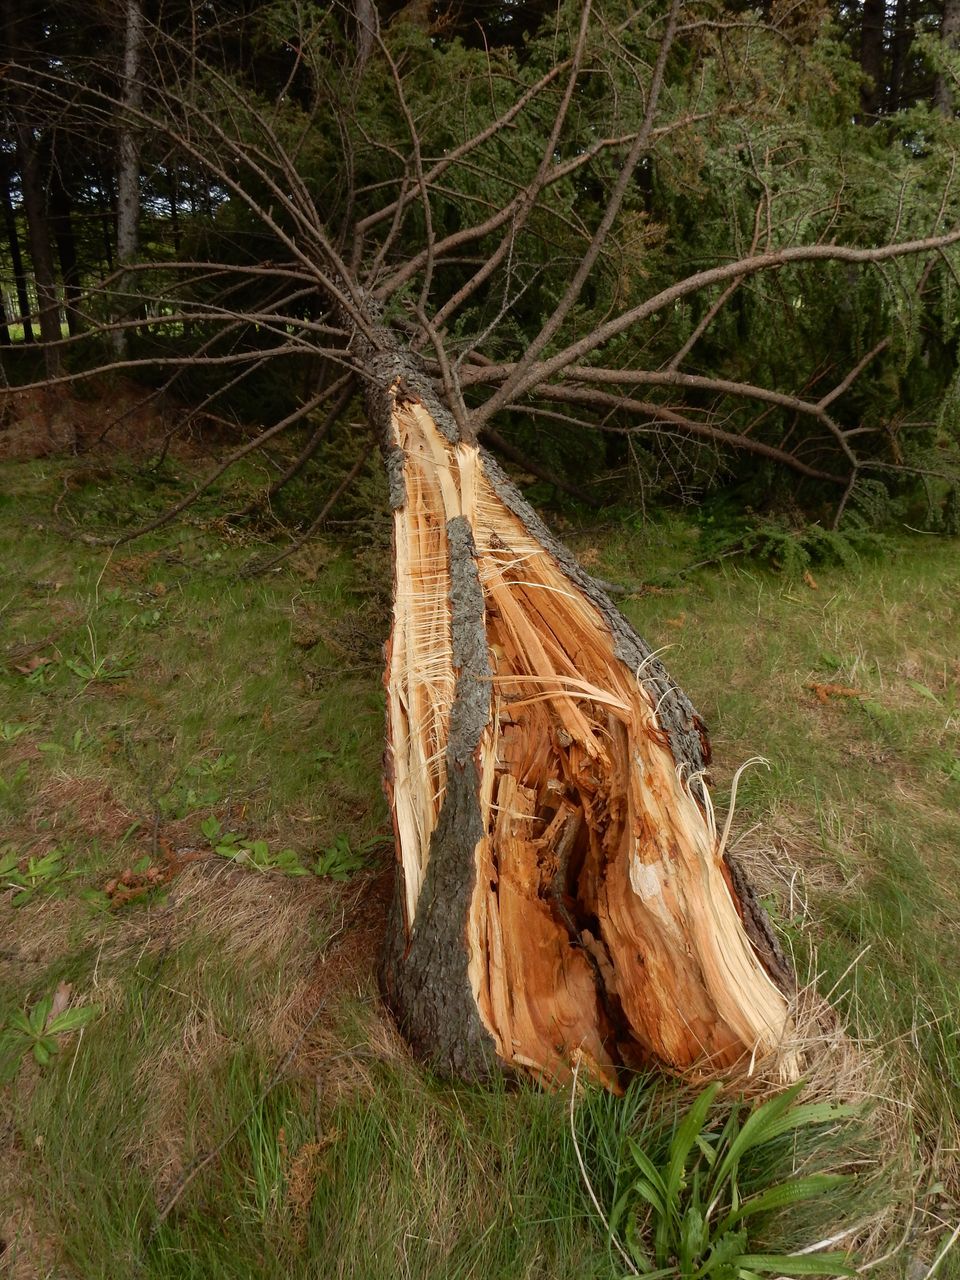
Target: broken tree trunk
<point x="561" y="891"/>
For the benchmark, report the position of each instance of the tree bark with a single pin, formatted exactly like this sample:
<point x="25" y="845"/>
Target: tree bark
<point x="62" y="222"/>
<point x="950" y="38"/>
<point x="105" y="218"/>
<point x="562" y="894"/>
<point x="365" y="16"/>
<point x="904" y="24"/>
<point x="871" y="56"/>
<point x="13" y="239"/>
<point x="173" y="179"/>
<point x="38" y="239"/>
<point x="128" y="169"/>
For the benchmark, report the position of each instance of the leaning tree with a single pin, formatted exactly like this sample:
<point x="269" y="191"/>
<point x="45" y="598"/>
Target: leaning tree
<point x="469" y="240"/>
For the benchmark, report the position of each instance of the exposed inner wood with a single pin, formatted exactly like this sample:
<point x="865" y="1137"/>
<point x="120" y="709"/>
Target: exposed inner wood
<point x="602" y="922"/>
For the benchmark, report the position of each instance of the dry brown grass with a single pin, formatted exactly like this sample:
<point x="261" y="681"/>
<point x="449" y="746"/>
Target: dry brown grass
<point x="68" y="802"/>
<point x="785" y="860"/>
<point x="41" y="424"/>
<point x="302" y="1173"/>
<point x="354" y="1028"/>
<point x="26" y="1253"/>
<point x="253" y="924"/>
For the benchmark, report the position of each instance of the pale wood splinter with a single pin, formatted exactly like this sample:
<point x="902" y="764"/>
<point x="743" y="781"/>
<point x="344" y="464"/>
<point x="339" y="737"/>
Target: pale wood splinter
<point x="562" y="889"/>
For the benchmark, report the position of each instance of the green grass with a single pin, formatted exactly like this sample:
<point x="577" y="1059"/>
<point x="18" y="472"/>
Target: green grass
<point x="237" y="1014"/>
<point x="175" y="682"/>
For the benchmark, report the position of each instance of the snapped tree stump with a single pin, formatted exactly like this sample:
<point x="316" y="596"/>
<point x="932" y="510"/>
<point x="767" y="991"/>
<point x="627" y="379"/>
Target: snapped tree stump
<point x="561" y="891"/>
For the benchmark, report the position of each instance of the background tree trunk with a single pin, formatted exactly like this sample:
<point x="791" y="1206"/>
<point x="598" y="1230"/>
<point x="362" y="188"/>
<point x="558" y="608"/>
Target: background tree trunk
<point x="105" y="217"/>
<point x="38" y="237"/>
<point x="871" y="56"/>
<point x="16" y="257"/>
<point x="365" y="16"/>
<point x="62" y="222"/>
<point x="128" y="169"/>
<point x="904" y="24"/>
<point x="950" y="37"/>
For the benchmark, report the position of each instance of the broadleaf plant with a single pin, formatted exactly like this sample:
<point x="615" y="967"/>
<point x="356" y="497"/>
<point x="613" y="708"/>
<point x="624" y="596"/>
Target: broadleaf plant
<point x="683" y="1213"/>
<point x="37" y="1033"/>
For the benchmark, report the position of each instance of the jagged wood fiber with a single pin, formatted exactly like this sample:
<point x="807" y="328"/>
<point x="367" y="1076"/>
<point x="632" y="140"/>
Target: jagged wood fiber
<point x="560" y="891"/>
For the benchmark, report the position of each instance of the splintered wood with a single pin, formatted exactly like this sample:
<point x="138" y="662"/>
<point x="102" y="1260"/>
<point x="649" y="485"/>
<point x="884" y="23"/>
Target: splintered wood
<point x="602" y="924"/>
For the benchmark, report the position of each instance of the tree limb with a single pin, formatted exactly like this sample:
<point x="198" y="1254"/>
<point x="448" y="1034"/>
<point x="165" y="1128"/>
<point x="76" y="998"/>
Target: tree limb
<point x="602" y="399"/>
<point x="539" y="372"/>
<point x="514" y="385"/>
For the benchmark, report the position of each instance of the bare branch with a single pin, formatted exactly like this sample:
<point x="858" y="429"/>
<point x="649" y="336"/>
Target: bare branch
<point x="249" y="447"/>
<point x="704" y="324"/>
<point x="601" y="399"/>
<point x="529" y="196"/>
<point x="540" y="372"/>
<point x="417" y="168"/>
<point x="716" y="307"/>
<point x="314" y="525"/>
<point x="169" y="362"/>
<point x="165" y="387"/>
<point x="339" y="286"/>
<point x="522" y="459"/>
<point x="720" y="386"/>
<point x="348" y="383"/>
<point x="514" y="385"/>
<point x="846" y="383"/>
<point x="396" y="207"/>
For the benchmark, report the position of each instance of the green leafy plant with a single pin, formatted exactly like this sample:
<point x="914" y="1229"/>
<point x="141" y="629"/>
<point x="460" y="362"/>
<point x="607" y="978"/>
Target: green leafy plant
<point x="11" y="732"/>
<point x="251" y="853"/>
<point x="148" y="620"/>
<point x="90" y="670"/>
<point x="97" y="899"/>
<point x="82" y="739"/>
<point x="182" y="799"/>
<point x="684" y="1212"/>
<point x="36" y="1032"/>
<point x="256" y="854"/>
<point x="11" y="786"/>
<point x="340" y="860"/>
<point x="198" y="789"/>
<point x="210" y="828"/>
<point x="32" y="875"/>
<point x="39" y="672"/>
<point x="92" y="667"/>
<point x="218" y="767"/>
<point x="948" y="762"/>
<point x="776" y="543"/>
<point x="79" y="740"/>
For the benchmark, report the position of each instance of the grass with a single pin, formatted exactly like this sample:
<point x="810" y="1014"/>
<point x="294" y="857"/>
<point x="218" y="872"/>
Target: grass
<point x="152" y="700"/>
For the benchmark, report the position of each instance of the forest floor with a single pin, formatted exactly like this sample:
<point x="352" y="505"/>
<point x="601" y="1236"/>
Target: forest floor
<point x="196" y="861"/>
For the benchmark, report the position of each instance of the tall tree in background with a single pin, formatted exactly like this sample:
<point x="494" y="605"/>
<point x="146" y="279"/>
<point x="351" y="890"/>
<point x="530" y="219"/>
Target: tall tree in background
<point x="944" y="89"/>
<point x="128" y="168"/>
<point x="31" y="142"/>
<point x="872" y="55"/>
<point x="13" y="244"/>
